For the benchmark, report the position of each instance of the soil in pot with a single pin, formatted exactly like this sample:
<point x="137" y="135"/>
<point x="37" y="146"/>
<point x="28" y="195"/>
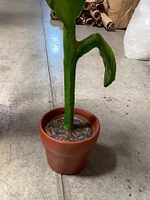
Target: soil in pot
<point x="82" y="130"/>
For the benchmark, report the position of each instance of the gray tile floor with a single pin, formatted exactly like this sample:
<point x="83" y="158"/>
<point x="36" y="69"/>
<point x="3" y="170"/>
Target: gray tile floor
<point x="31" y="82"/>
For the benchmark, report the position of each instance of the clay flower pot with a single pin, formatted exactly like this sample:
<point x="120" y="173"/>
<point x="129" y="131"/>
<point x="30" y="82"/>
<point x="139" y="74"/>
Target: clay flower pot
<point x="68" y="157"/>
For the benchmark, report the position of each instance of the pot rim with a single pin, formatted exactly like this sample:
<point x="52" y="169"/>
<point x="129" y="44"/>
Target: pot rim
<point x="95" y="130"/>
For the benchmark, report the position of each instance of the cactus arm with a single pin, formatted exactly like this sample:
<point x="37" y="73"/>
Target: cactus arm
<point x="105" y="51"/>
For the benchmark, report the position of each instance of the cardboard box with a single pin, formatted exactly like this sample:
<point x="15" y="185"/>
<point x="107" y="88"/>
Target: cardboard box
<point x="120" y="11"/>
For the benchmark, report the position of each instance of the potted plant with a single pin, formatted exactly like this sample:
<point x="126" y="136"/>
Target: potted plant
<point x="70" y="157"/>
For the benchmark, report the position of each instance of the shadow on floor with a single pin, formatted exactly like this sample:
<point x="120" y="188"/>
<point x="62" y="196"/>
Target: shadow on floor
<point x="19" y="121"/>
<point x="102" y="160"/>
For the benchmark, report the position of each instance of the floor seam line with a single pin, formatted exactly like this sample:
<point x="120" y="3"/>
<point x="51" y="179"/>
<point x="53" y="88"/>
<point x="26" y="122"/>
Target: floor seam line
<point x="51" y="86"/>
<point x="63" y="187"/>
<point x="47" y="61"/>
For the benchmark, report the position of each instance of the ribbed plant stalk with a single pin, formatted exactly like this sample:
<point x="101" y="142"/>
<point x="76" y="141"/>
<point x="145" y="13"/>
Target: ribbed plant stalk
<point x="73" y="50"/>
<point x="70" y="61"/>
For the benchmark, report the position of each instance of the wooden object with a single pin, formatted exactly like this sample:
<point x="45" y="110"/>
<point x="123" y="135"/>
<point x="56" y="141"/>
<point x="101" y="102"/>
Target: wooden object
<point x="90" y="22"/>
<point x="107" y="22"/>
<point x="96" y="1"/>
<point x="121" y="11"/>
<point x="99" y="22"/>
<point x="94" y="12"/>
<point x="81" y="21"/>
<point x="53" y="15"/>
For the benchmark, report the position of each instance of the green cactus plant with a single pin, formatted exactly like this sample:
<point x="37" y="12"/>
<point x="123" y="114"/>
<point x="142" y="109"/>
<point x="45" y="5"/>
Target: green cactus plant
<point x="67" y="12"/>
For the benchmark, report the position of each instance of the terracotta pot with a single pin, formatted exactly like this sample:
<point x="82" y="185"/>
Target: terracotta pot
<point x="68" y="157"/>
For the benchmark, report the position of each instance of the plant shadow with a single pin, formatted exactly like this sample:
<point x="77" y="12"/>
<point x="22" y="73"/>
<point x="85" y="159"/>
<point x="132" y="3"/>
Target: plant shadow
<point x="102" y="160"/>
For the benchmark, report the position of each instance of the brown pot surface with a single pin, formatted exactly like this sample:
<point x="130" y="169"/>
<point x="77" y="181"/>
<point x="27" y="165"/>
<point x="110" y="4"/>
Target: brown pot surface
<point x="68" y="157"/>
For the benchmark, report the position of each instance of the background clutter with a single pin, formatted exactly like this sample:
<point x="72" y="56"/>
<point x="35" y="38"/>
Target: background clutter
<point x="137" y="36"/>
<point x="120" y="11"/>
<point x="112" y="14"/>
<point x="94" y="13"/>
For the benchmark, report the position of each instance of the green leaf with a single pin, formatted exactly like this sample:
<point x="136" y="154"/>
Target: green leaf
<point x="67" y="10"/>
<point x="105" y="51"/>
<point x="109" y="62"/>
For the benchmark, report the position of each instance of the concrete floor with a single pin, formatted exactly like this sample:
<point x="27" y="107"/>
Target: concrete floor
<point x="31" y="82"/>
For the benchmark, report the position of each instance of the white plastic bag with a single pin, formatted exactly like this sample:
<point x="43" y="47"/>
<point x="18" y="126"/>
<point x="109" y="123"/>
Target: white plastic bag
<point x="137" y="36"/>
